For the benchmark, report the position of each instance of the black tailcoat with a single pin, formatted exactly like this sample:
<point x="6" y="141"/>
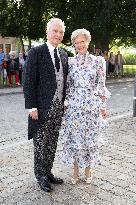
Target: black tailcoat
<point x="40" y="83"/>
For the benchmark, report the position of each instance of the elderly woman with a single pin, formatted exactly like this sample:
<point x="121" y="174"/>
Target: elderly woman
<point x="85" y="110"/>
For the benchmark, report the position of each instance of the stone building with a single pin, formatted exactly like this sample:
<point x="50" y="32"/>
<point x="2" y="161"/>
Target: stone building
<point x="8" y="43"/>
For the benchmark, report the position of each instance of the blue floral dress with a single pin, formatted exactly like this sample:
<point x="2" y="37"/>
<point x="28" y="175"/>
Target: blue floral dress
<point x="82" y="122"/>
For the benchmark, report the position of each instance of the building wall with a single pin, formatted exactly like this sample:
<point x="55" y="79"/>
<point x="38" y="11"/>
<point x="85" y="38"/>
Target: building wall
<point x="8" y="42"/>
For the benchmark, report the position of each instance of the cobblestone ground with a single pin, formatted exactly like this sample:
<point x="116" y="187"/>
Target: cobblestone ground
<point x="122" y="98"/>
<point x="114" y="182"/>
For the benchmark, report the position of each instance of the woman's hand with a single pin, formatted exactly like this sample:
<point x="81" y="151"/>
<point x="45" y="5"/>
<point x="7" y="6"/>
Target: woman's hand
<point x="104" y="113"/>
<point x="103" y="98"/>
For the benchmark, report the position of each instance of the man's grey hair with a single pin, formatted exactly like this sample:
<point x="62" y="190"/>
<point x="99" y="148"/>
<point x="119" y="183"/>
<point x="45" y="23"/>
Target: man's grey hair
<point x="78" y="32"/>
<point x="55" y="20"/>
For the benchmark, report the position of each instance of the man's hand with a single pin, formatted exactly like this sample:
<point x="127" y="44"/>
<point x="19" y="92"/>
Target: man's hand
<point x="34" y="115"/>
<point x="65" y="108"/>
<point x="104" y="113"/>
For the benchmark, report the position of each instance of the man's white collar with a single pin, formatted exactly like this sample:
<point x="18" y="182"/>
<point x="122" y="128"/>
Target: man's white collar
<point x="50" y="46"/>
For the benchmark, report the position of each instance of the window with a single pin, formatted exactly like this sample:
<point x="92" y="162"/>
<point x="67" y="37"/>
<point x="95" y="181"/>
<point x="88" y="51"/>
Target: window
<point x="1" y="46"/>
<point x="8" y="48"/>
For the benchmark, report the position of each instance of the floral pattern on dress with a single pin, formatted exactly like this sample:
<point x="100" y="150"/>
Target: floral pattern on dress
<point x="82" y="122"/>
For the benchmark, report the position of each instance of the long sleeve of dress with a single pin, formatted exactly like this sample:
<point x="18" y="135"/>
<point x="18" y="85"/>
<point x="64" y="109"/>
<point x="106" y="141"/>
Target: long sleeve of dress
<point x="102" y="91"/>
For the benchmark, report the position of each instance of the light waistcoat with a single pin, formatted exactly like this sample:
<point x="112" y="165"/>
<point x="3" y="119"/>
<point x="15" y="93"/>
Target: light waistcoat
<point x="59" y="75"/>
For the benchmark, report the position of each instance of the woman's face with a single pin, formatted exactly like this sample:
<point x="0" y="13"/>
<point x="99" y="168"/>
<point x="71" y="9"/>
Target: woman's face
<point x="81" y="44"/>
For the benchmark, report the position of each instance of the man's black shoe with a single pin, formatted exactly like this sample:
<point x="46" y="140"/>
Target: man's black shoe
<point x="44" y="184"/>
<point x="54" y="180"/>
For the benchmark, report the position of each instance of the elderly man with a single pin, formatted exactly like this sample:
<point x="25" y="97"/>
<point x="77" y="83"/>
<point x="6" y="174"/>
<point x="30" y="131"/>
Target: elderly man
<point x="44" y="91"/>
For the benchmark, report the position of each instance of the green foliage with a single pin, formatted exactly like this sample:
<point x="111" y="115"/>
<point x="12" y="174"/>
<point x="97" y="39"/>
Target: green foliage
<point x="23" y="18"/>
<point x="106" y="20"/>
<point x="68" y="49"/>
<point x="130" y="59"/>
<point x="129" y="69"/>
<point x="69" y="52"/>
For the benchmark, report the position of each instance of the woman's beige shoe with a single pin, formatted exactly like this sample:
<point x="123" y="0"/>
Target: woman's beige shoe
<point x="88" y="180"/>
<point x="74" y="180"/>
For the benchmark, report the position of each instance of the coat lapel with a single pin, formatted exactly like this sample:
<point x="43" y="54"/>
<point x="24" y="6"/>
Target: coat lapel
<point x="48" y="56"/>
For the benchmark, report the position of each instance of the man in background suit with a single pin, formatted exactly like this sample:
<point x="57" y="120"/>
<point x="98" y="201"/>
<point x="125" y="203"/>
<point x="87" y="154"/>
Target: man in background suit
<point x="119" y="61"/>
<point x="44" y="92"/>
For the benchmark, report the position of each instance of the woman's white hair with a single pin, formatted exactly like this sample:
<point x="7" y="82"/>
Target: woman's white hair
<point x="78" y="32"/>
<point x="55" y="20"/>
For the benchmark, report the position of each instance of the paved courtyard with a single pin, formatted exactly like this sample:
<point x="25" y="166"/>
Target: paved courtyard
<point x="114" y="182"/>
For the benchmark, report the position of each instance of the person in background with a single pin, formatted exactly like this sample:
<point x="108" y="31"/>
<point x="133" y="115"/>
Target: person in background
<point x="21" y="66"/>
<point x="85" y="108"/>
<point x="2" y="56"/>
<point x="12" y="68"/>
<point x="5" y="63"/>
<point x="4" y="66"/>
<point x="98" y="52"/>
<point x="119" y="61"/>
<point x="24" y="54"/>
<point x="106" y="57"/>
<point x="111" y="67"/>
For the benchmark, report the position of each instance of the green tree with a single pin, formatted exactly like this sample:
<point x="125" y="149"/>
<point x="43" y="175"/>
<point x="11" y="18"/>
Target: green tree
<point x="109" y="21"/>
<point x="23" y="19"/>
<point x="106" y="20"/>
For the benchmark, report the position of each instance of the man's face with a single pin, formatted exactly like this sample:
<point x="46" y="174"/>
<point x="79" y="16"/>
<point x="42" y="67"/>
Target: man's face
<point x="55" y="34"/>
